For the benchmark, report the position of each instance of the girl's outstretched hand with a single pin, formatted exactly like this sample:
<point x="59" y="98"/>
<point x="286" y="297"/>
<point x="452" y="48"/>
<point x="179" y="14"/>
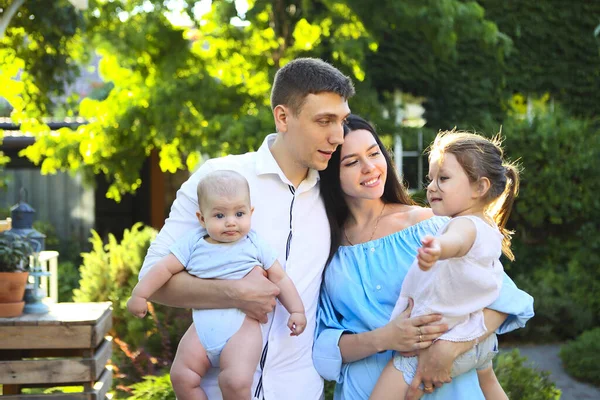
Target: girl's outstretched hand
<point x="429" y="253"/>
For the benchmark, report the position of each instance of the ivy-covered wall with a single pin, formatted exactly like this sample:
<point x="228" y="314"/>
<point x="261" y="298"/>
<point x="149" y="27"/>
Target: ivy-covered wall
<point x="549" y="47"/>
<point x="555" y="50"/>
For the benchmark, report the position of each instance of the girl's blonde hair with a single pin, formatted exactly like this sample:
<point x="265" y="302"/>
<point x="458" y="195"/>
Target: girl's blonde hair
<point x="482" y="157"/>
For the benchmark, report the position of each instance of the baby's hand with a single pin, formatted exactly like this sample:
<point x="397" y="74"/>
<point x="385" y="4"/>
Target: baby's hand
<point x="429" y="253"/>
<point x="297" y="323"/>
<point x="137" y="306"/>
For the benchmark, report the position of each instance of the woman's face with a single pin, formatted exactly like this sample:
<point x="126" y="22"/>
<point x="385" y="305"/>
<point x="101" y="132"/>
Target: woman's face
<point x="363" y="169"/>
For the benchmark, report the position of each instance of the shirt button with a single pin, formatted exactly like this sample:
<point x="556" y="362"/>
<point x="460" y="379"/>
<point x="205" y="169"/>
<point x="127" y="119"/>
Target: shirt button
<point x="372" y="249"/>
<point x="378" y="287"/>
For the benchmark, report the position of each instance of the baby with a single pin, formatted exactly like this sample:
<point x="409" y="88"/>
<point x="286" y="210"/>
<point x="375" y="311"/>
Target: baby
<point x="224" y="248"/>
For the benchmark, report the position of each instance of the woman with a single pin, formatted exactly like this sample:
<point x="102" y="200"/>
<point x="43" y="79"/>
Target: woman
<point x="376" y="230"/>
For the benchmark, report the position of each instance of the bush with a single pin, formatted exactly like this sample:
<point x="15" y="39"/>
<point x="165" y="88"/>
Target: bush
<point x="580" y="357"/>
<point x="68" y="261"/>
<point x="68" y="280"/>
<point x="521" y="382"/>
<point x="153" y="388"/>
<point x="557" y="240"/>
<point x="558" y="314"/>
<point x="109" y="273"/>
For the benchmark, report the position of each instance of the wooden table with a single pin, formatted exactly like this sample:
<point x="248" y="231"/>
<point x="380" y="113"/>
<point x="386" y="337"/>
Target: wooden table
<point x="65" y="347"/>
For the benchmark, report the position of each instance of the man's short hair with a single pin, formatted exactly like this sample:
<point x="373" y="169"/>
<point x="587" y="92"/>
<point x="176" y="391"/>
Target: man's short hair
<point x="222" y="183"/>
<point x="304" y="76"/>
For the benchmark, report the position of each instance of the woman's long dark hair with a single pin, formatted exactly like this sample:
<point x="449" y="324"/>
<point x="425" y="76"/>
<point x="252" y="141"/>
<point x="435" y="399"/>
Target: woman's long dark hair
<point x="331" y="189"/>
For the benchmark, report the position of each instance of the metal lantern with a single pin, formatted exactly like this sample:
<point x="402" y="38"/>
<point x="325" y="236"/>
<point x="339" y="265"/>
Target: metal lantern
<point x="22" y="224"/>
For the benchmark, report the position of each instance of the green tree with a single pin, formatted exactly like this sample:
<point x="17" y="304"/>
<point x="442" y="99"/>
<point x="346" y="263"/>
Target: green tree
<point x="205" y="90"/>
<point x="39" y="43"/>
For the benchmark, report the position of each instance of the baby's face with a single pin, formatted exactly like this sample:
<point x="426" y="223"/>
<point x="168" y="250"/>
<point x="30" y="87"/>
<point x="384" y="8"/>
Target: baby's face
<point x="227" y="219"/>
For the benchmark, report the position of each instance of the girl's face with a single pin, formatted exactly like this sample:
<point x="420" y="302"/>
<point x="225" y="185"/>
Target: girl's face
<point x="450" y="192"/>
<point x="363" y="169"/>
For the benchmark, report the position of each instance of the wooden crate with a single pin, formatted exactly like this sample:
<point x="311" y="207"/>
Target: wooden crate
<point x="66" y="347"/>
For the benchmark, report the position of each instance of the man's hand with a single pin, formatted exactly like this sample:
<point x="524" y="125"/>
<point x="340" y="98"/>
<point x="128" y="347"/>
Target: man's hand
<point x="429" y="253"/>
<point x="435" y="366"/>
<point x="138" y="306"/>
<point x="410" y="334"/>
<point x="255" y="295"/>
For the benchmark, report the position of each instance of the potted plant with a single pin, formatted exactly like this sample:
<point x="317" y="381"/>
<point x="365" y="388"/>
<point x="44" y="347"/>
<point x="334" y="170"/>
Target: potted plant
<point x="14" y="270"/>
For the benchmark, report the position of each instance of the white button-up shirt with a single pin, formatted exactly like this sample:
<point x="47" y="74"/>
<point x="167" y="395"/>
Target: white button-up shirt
<point x="282" y="214"/>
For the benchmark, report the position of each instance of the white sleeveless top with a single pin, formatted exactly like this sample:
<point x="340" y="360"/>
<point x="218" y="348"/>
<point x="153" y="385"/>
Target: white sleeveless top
<point x="458" y="288"/>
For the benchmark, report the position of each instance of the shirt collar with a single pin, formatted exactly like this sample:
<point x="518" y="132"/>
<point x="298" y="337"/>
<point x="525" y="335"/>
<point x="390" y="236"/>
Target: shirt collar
<point x="266" y="164"/>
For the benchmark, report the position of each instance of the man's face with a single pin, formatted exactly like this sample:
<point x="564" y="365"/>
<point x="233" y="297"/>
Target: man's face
<point x="313" y="135"/>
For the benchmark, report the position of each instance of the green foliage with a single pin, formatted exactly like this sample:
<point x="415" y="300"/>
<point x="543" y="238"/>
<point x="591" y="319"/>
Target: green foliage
<point x="45" y="227"/>
<point x="108" y="273"/>
<point x="521" y="382"/>
<point x="558" y="315"/>
<point x="14" y="252"/>
<point x="153" y="388"/>
<point x="68" y="280"/>
<point x="329" y="389"/>
<point x="555" y="50"/>
<point x="68" y="261"/>
<point x="210" y="96"/>
<point x="542" y="48"/>
<point x="41" y="40"/>
<point x="556" y="216"/>
<point x="580" y="357"/>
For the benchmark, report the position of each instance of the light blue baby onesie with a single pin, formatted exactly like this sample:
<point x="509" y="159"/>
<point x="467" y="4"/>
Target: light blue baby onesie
<point x="223" y="261"/>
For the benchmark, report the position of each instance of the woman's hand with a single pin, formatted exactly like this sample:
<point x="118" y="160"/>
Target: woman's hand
<point x="409" y="334"/>
<point x="435" y="366"/>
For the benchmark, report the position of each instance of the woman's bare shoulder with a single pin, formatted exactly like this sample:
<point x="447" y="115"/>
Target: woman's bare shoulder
<point x="405" y="215"/>
<point x="421" y="213"/>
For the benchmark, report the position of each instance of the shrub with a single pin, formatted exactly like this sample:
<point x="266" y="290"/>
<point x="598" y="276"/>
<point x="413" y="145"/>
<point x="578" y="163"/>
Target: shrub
<point x="109" y="273"/>
<point x="580" y="357"/>
<point x="68" y="280"/>
<point x="68" y="261"/>
<point x="153" y="388"/>
<point x="521" y="382"/>
<point x="556" y="241"/>
<point x="558" y="314"/>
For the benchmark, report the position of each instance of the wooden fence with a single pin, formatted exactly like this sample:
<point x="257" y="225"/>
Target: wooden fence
<point x="59" y="199"/>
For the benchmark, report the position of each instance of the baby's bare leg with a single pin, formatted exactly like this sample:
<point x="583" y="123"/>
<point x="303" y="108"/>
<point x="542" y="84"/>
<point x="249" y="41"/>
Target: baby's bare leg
<point x="390" y="385"/>
<point x="238" y="361"/>
<point x="489" y="385"/>
<point x="190" y="365"/>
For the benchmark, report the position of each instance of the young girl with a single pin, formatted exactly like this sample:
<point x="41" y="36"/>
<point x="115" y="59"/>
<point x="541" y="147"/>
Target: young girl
<point x="472" y="184"/>
<point x="225" y="249"/>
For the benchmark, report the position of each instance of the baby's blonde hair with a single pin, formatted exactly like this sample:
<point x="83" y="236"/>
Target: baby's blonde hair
<point x="482" y="157"/>
<point x="223" y="183"/>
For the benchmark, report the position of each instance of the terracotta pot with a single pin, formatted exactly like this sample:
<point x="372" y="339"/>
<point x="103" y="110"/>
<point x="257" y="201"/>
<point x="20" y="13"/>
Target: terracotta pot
<point x="12" y="286"/>
<point x="8" y="310"/>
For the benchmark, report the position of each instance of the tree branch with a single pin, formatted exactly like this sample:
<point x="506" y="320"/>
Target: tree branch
<point x="9" y="13"/>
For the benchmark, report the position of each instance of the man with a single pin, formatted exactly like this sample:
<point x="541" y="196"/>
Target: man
<point x="309" y="99"/>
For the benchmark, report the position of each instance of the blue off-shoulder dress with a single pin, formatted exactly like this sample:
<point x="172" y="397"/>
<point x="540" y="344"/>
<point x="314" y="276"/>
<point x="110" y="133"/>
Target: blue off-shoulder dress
<point x="360" y="288"/>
